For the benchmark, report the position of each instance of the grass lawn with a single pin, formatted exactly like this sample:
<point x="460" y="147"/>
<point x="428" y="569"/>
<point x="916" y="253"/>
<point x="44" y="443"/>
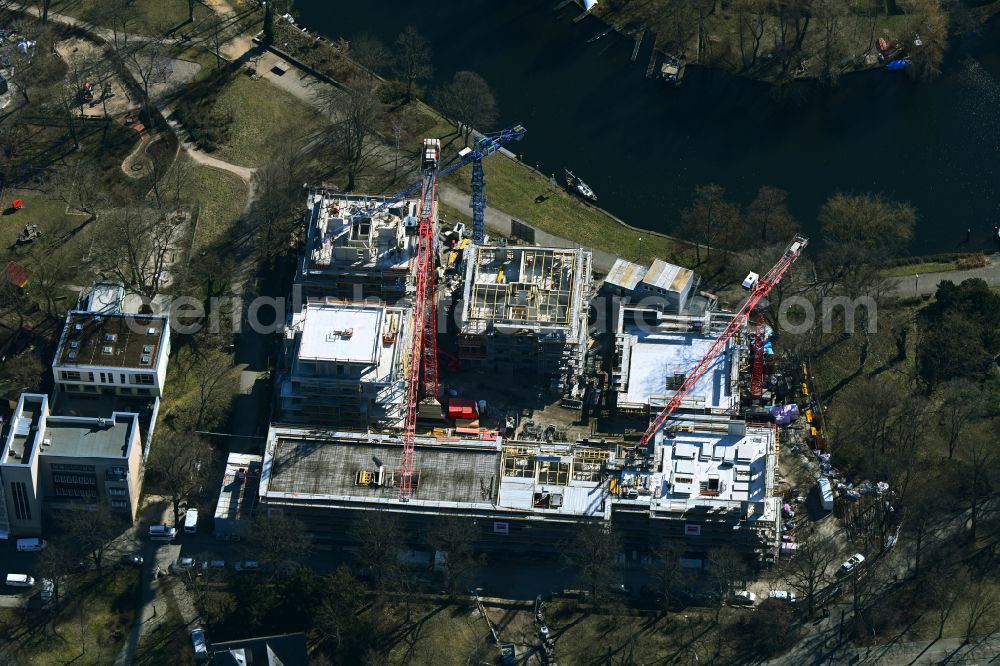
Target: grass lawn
<point x="152" y="17"/>
<point x="914" y="269"/>
<point x="261" y="116"/>
<point x="90" y="627"/>
<point x="515" y="189"/>
<point x="222" y="197"/>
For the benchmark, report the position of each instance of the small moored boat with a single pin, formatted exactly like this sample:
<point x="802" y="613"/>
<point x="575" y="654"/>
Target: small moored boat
<point x="574" y="184"/>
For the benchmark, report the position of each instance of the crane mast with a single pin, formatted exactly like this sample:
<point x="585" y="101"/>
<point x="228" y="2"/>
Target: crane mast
<point x="423" y="349"/>
<point x="757" y="293"/>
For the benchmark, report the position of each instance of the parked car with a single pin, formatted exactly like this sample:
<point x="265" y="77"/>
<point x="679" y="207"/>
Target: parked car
<point x="744" y="598"/>
<point x="182" y="564"/>
<point x="20" y="580"/>
<point x="782" y="595"/>
<point x="247" y="565"/>
<point x="135" y="559"/>
<point x="852" y="563"/>
<point x="199" y="643"/>
<point x="32" y="545"/>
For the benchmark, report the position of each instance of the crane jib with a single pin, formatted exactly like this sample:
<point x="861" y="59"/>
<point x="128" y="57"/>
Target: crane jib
<point x="760" y="291"/>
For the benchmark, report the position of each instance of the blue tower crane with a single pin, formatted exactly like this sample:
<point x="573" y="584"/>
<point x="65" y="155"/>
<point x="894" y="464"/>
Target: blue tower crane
<point x="485" y="145"/>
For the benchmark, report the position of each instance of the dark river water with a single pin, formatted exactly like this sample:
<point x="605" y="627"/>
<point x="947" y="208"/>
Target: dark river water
<point x="644" y="146"/>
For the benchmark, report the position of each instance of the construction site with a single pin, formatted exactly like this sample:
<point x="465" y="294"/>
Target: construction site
<point x="480" y="388"/>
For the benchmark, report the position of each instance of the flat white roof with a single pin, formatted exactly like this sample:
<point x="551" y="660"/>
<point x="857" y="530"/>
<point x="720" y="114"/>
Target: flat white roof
<point x="657" y="355"/>
<point x="351" y="334"/>
<point x="580" y="498"/>
<point x="724" y="467"/>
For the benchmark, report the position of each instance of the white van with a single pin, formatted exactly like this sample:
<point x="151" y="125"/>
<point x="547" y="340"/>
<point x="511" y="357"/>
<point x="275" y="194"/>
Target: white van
<point x="825" y="493"/>
<point x="750" y="281"/>
<point x="20" y="580"/>
<point x="31" y="545"/>
<point x="162" y="532"/>
<point x="191" y="521"/>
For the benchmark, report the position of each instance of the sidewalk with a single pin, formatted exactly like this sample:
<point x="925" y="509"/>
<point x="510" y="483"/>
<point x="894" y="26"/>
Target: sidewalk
<point x="926" y="283"/>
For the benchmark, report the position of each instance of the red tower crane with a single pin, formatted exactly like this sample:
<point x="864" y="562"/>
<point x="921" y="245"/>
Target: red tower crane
<point x="423" y="349"/>
<point x="757" y="371"/>
<point x="757" y="292"/>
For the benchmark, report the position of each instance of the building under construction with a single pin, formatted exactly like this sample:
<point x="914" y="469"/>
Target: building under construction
<point x="524" y="312"/>
<point x="357" y="247"/>
<point x="343" y="364"/>
<point x="711" y="487"/>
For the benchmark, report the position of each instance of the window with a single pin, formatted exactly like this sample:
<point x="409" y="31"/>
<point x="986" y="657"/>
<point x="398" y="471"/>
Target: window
<point x="117" y="492"/>
<point x="22" y="506"/>
<point x="143" y="392"/>
<point x="122" y="377"/>
<point x="145" y="379"/>
<point x="70" y="375"/>
<point x="104" y="378"/>
<point x="63" y="467"/>
<point x="90" y="376"/>
<point x="119" y="504"/>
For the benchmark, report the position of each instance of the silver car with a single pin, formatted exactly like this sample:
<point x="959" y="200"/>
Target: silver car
<point x="199" y="643"/>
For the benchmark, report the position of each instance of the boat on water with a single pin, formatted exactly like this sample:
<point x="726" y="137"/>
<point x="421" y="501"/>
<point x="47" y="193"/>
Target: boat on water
<point x="672" y="69"/>
<point x="574" y="184"/>
<point x="895" y="65"/>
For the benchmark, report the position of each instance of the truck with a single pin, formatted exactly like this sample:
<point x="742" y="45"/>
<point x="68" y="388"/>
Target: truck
<point x="825" y="493"/>
<point x="191" y="521"/>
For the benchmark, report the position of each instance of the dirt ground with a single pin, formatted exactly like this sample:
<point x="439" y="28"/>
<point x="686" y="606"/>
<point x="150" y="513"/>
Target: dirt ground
<point x="118" y="103"/>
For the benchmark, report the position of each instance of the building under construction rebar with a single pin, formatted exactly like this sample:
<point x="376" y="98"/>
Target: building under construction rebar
<point x="524" y="312"/>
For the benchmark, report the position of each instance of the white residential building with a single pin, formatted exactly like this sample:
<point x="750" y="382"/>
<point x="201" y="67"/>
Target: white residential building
<point x="113" y="354"/>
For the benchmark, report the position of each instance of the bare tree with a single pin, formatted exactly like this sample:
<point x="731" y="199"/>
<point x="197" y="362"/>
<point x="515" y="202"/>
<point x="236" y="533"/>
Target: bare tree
<point x="413" y="59"/>
<point x="278" y="188"/>
<point x="751" y="17"/>
<point x="214" y="385"/>
<point x="960" y="402"/>
<point x="135" y="248"/>
<point x="769" y="213"/>
<point x="809" y="571"/>
<point x="356" y="114"/>
<point x="279" y="542"/>
<point x="469" y="102"/>
<point x="92" y="531"/>
<point x="711" y="220"/>
<point x="180" y="464"/>
<point x="369" y="52"/>
<point x="727" y="569"/>
<point x="982" y="470"/>
<point x="149" y="60"/>
<point x="979" y="610"/>
<point x="831" y="16"/>
<point x="594" y="552"/>
<point x="455" y="539"/>
<point x="53" y="563"/>
<point x="667" y="574"/>
<point x="379" y="536"/>
<point x="170" y="181"/>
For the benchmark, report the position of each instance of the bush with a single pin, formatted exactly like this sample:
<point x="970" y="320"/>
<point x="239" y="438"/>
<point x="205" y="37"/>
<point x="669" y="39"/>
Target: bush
<point x="973" y="261"/>
<point x="392" y="92"/>
<point x="208" y="127"/>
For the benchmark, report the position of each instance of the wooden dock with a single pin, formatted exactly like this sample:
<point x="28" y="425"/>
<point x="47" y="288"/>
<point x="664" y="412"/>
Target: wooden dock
<point x="599" y="35"/>
<point x="638" y="43"/>
<point x="651" y="67"/>
<point x="581" y="17"/>
<point x="561" y="5"/>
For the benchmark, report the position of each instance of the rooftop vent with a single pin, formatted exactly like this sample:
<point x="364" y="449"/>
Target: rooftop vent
<point x="110" y="337"/>
<point x="147" y="349"/>
<point x="151" y="330"/>
<point x="346" y="333"/>
<point x="144" y="360"/>
<point x="72" y="355"/>
<point x="108" y="349"/>
<point x="74" y="344"/>
<point x="78" y="327"/>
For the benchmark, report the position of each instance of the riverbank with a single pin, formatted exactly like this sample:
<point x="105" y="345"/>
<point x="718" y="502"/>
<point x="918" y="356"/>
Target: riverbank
<point x="778" y="49"/>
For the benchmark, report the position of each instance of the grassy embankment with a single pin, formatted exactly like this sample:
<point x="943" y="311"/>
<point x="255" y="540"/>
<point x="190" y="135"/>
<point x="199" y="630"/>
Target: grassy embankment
<point x="153" y="17"/>
<point x="89" y="627"/>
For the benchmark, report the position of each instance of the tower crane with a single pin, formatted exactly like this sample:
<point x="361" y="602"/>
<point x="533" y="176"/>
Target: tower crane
<point x="757" y="293"/>
<point x="423" y="349"/>
<point x="757" y="370"/>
